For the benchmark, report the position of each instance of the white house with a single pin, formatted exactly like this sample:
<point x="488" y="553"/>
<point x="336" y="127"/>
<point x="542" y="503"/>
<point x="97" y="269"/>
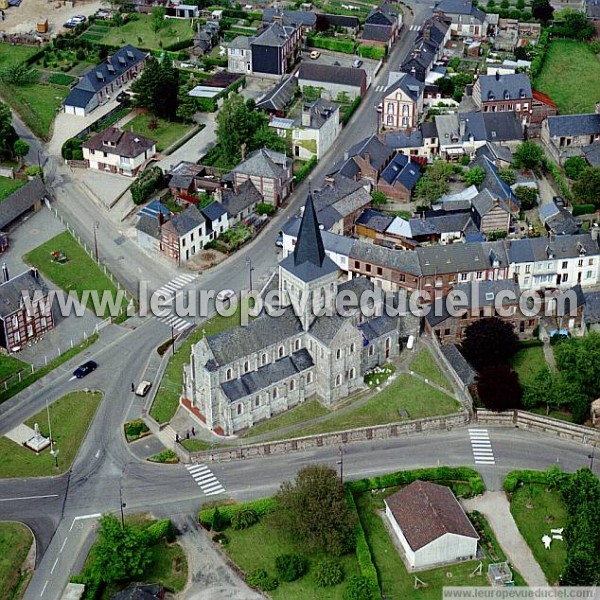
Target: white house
<point x="122" y="152"/>
<point x="430" y="525"/>
<point x="185" y="234"/>
<point x="559" y="262"/>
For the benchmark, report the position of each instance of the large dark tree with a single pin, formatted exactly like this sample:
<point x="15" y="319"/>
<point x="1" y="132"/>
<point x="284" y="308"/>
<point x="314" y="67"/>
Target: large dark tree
<point x="489" y="341"/>
<point x="528" y="155"/>
<point x="587" y="186"/>
<point x="157" y="88"/>
<point x="8" y="135"/>
<point x="542" y="10"/>
<point x="498" y="388"/>
<point x="313" y="510"/>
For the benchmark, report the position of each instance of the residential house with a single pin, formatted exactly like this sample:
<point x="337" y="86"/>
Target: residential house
<point x="591" y="311"/>
<point x="497" y="187"/>
<point x="372" y="224"/>
<point x="239" y="55"/>
<point x="399" y="178"/>
<point x="561" y="262"/>
<point x="366" y="160"/>
<point x="558" y="221"/>
<point x="184" y="235"/>
<point x="176" y="9"/>
<point x="334" y="82"/>
<point x="269" y="171"/>
<point x="466" y="20"/>
<point x="350" y="25"/>
<point x="442" y="227"/>
<point x="529" y="33"/>
<point x="420" y="61"/>
<point x="416" y="143"/>
<point x="500" y="155"/>
<point x="437" y="30"/>
<point x="489" y="213"/>
<point x="542" y="107"/>
<point x="306" y="20"/>
<point x="382" y="26"/>
<point x="147" y="227"/>
<point x="100" y="83"/>
<point x="122" y="152"/>
<point x="241" y="201"/>
<point x="592" y="10"/>
<point x="402" y="101"/>
<point x="217" y="219"/>
<point x="567" y="135"/>
<point x="205" y="38"/>
<point x="278" y="98"/>
<point x="275" y="50"/>
<point x="497" y="93"/>
<point x="23" y="201"/>
<point x="507" y="35"/>
<point x="187" y="180"/>
<point x="26" y="312"/>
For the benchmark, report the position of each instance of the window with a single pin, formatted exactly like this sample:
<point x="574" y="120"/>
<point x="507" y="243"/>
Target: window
<point x="240" y="409"/>
<point x="257" y="401"/>
<point x="479" y="274"/>
<point x="446" y="332"/>
<point x="44" y="321"/>
<point x="463" y="276"/>
<point x="292" y="385"/>
<point x="309" y="378"/>
<point x="338" y="380"/>
<point x="405" y="121"/>
<point x="246" y="367"/>
<point x="297" y="345"/>
<point x="390" y="120"/>
<point x="580" y="262"/>
<point x="352" y="347"/>
<point x="565" y="264"/>
<point x="527" y="268"/>
<point x="274" y="393"/>
<point x="17" y="336"/>
<point x="263" y="359"/>
<point x="281" y="351"/>
<point x="388" y="343"/>
<point x="371" y="350"/>
<point x="352" y="373"/>
<point x="356" y="264"/>
<point x="338" y="354"/>
<point x="591" y="262"/>
<point x="228" y="374"/>
<point x="368" y="267"/>
<point x="30" y="330"/>
<point x="588" y="274"/>
<point x="15" y="322"/>
<point x="390" y="108"/>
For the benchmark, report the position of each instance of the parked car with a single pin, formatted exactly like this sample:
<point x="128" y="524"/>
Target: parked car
<point x="315" y="54"/>
<point x="123" y="97"/>
<point x="70" y="24"/>
<point x="279" y="241"/>
<point x="78" y="19"/>
<point x="224" y="295"/>
<point x="357" y="63"/>
<point x="380" y="107"/>
<point x="103" y="14"/>
<point x="143" y="388"/>
<point x="559" y="201"/>
<point x="85" y="369"/>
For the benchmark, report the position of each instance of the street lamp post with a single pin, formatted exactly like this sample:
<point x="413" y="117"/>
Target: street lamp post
<point x="341" y="463"/>
<point x="173" y="340"/>
<point x="50" y="429"/>
<point x="96" y="225"/>
<point x="250" y="269"/>
<point x="591" y="457"/>
<point x="122" y="505"/>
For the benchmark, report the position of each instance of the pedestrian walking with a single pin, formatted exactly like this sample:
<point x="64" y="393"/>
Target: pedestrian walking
<point x="132" y="387"/>
<point x="193" y="431"/>
<point x="187" y="434"/>
<point x="177" y="438"/>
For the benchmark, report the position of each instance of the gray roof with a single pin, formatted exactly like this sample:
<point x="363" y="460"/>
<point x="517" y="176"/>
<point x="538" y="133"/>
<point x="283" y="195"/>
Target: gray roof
<point x="378" y="152"/>
<point x="378" y="326"/>
<point x="485" y="201"/>
<point x="407" y="83"/>
<point x="338" y="199"/>
<point x="503" y="126"/>
<point x="278" y="97"/>
<point x="562" y="223"/>
<point x="570" y="125"/>
<point x="374" y="220"/>
<point x="461" y="7"/>
<point x="297" y="17"/>
<point x="496" y="152"/>
<point x="325" y="328"/>
<point x="187" y="220"/>
<point x="260" y="333"/>
<point x="401" y="260"/>
<point x="241" y="42"/>
<point x="79" y="98"/>
<point x="511" y="86"/>
<point x="320" y="111"/>
<point x="12" y="291"/>
<point x="592" y="307"/>
<point x="274" y="35"/>
<point x="122" y="143"/>
<point x="466" y="373"/>
<point x="264" y="377"/>
<point x="264" y="163"/>
<point x="148" y="225"/>
<point x="213" y="211"/>
<point x="358" y="285"/>
<point x="403" y="170"/>
<point x="407" y="139"/>
<point x="337" y="244"/>
<point x="332" y="74"/>
<point x="237" y="200"/>
<point x="447" y="223"/>
<point x="21" y="200"/>
<point x="458" y="258"/>
<point x="592" y="154"/>
<point x="429" y="130"/>
<point x="183" y="174"/>
<point x="540" y="249"/>
<point x="493" y="182"/>
<point x="377" y="32"/>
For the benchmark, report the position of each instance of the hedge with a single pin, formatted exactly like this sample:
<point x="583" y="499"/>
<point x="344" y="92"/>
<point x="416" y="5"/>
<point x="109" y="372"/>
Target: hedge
<point x="350" y="110"/>
<point x="146" y="184"/>
<point x="330" y="43"/>
<point x="515" y="479"/>
<point x="305" y="169"/>
<point x="242" y="14"/>
<point x="462" y="474"/>
<point x="261" y="507"/>
<point x="540" y="50"/>
<point x="159" y="530"/>
<point x="374" y="52"/>
<point x="180" y="45"/>
<point x="583" y="209"/>
<point x="558" y="178"/>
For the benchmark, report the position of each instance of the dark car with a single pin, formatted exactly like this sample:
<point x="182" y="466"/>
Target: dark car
<point x="70" y="24"/>
<point x="123" y="97"/>
<point x="559" y="201"/>
<point x="85" y="369"/>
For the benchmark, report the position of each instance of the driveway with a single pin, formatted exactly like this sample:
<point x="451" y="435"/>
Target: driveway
<point x="495" y="507"/>
<point x="343" y="60"/>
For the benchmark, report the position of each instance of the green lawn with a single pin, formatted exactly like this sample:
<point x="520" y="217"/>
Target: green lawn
<point x="78" y="274"/>
<point x="536" y="511"/>
<point x="37" y="104"/>
<point x="70" y="418"/>
<point x="571" y="77"/>
<point x="166" y="134"/>
<point x="15" y="54"/>
<point x="424" y="364"/>
<point x="528" y="362"/>
<point x="8" y="186"/>
<point x="555" y="414"/>
<point x="257" y="548"/>
<point x="139" y="33"/>
<point x="394" y="579"/>
<point x="15" y="542"/>
<point x="418" y="398"/>
<point x="9" y="365"/>
<point x="299" y="414"/>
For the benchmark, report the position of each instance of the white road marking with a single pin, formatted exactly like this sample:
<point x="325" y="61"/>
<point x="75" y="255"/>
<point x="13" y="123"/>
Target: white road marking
<point x="206" y="479"/>
<point x="481" y="446"/>
<point x="98" y="454"/>
<point x="63" y="546"/>
<point x="54" y="566"/>
<point x="28" y="498"/>
<point x="44" y="588"/>
<point x="81" y="517"/>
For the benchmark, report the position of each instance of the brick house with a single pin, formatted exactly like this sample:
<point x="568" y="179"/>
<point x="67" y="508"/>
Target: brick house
<point x="184" y="235"/>
<point x="499" y="93"/>
<point x="382" y="26"/>
<point x="399" y="178"/>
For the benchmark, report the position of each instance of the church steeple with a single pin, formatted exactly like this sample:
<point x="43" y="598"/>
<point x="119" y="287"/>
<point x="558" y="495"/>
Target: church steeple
<point x="309" y="247"/>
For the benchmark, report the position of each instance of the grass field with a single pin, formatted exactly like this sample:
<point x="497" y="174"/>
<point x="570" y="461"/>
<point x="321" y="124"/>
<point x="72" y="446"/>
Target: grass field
<point x="528" y="362"/>
<point x="424" y="364"/>
<point x="166" y="134"/>
<point x="536" y="511"/>
<point x="15" y="542"/>
<point x="10" y="54"/>
<point x="571" y="77"/>
<point x="9" y="365"/>
<point x="419" y="399"/>
<point x="78" y="274"/>
<point x="8" y="186"/>
<point x="257" y="548"/>
<point x="139" y="33"/>
<point x="70" y="417"/>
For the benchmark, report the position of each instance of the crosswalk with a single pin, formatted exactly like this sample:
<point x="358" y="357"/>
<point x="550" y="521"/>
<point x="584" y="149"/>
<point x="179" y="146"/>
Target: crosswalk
<point x="380" y="88"/>
<point x="205" y="478"/>
<point x="414" y="28"/>
<point x="482" y="447"/>
<point x="169" y="291"/>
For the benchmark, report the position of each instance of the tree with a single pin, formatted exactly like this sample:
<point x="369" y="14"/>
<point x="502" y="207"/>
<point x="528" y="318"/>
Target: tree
<point x="435" y="181"/>
<point x="505" y="5"/>
<point x="445" y="86"/>
<point x="528" y="155"/>
<point x="489" y="341"/>
<point x="359" y="588"/>
<point x="527" y="196"/>
<point x="218" y="523"/>
<point x="578" y="360"/>
<point x="552" y="389"/>
<point x="266" y="137"/>
<point x="542" y="10"/>
<point x="475" y="176"/>
<point x="21" y="149"/>
<point x="8" y="135"/>
<point x="574" y="25"/>
<point x="18" y="74"/>
<point x="520" y="4"/>
<point x="378" y="198"/>
<point x="157" y="88"/>
<point x="587" y="187"/>
<point x="498" y="388"/>
<point x="508" y="176"/>
<point x="157" y="19"/>
<point x="313" y="511"/>
<point x="574" y="166"/>
<point x="120" y="552"/>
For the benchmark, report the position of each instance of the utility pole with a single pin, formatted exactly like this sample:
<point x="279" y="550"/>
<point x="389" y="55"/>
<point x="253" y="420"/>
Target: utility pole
<point x="122" y="505"/>
<point x="250" y="269"/>
<point x="50" y="429"/>
<point x="591" y="457"/>
<point x="173" y="340"/>
<point x="341" y="463"/>
<point x="96" y="225"/>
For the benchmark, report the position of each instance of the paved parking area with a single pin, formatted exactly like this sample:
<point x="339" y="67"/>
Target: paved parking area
<point x="104" y="187"/>
<point x="343" y="60"/>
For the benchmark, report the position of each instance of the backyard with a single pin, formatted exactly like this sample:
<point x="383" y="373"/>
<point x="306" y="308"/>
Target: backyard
<point x="8" y="186"/>
<point x="9" y="365"/>
<point x="79" y="273"/>
<point x="10" y="54"/>
<point x="571" y="76"/>
<point x="529" y="361"/>
<point x="536" y="510"/>
<point x="70" y="418"/>
<point x="166" y="133"/>
<point x="424" y="364"/>
<point x="15" y="542"/>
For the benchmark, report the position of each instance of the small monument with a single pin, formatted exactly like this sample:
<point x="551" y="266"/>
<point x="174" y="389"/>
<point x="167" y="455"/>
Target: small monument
<point x="38" y="442"/>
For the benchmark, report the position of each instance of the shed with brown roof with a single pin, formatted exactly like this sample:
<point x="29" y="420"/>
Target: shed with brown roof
<point x="430" y="525"/>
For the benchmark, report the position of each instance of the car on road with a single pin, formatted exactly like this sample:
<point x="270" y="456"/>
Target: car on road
<point x="357" y="63"/>
<point x="85" y="369"/>
<point x="143" y="388"/>
<point x="279" y="241"/>
<point x="224" y="295"/>
<point x="78" y="19"/>
<point x="559" y="201"/>
<point x="380" y="107"/>
<point x="315" y="54"/>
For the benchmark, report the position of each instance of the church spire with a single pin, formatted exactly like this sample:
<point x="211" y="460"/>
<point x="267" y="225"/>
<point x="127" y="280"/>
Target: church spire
<point x="309" y="247"/>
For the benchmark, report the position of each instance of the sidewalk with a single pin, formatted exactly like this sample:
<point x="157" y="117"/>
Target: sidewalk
<point x="495" y="507"/>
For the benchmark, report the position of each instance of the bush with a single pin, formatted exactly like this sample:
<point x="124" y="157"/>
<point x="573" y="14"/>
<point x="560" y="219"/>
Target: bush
<point x="263" y="581"/>
<point x="574" y="166"/>
<point x="146" y="184"/>
<point x="33" y="171"/>
<point x="159" y="530"/>
<point x="465" y="160"/>
<point x="331" y="43"/>
<point x="328" y="572"/>
<point x="350" y="110"/>
<point x="359" y="588"/>
<point x="290" y="566"/>
<point x="166" y="456"/>
<point x="374" y="52"/>
<point x="305" y="169"/>
<point x="134" y="429"/>
<point x="265" y="209"/>
<point x="244" y="518"/>
<point x="218" y="523"/>
<point x="583" y="209"/>
<point x="220" y="538"/>
<point x="260" y="507"/>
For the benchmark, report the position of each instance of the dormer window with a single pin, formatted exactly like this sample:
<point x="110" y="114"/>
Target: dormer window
<point x="521" y="93"/>
<point x="506" y="96"/>
<point x="581" y="249"/>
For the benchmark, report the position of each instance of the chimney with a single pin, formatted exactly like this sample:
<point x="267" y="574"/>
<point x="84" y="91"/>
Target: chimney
<point x="161" y="219"/>
<point x="218" y="195"/>
<point x="5" y="276"/>
<point x="598" y="108"/>
<point x="306" y="115"/>
<point x="35" y="273"/>
<point x="497" y="74"/>
<point x="595" y="231"/>
<point x="368" y="157"/>
<point x="329" y="181"/>
<point x="496" y="202"/>
<point x="243" y="151"/>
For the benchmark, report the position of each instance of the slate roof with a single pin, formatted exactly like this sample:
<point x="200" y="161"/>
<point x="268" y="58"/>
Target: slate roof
<point x="496" y="186"/>
<point x="426" y="511"/>
<point x="186" y="221"/>
<point x="79" y="98"/>
<point x="11" y="291"/>
<point x="485" y="201"/>
<point x="396" y="140"/>
<point x="422" y="227"/>
<point x="378" y="151"/>
<point x="374" y="220"/>
<point x="213" y="211"/>
<point x="429" y="130"/>
<point x="237" y="201"/>
<point x="423" y="53"/>
<point x="241" y="42"/>
<point x="297" y="17"/>
<point x="278" y="97"/>
<point x="126" y="143"/>
<point x="466" y="373"/>
<point x="236" y="343"/>
<point x="402" y="170"/>
<point x="455" y="7"/>
<point x="564" y="246"/>
<point x="377" y="32"/>
<point x="435" y="29"/>
<point x="153" y="209"/>
<point x="378" y="326"/>
<point x="592" y="154"/>
<point x="338" y="199"/>
<point x="401" y="260"/>
<point x="337" y="244"/>
<point x="275" y="35"/>
<point x="446" y="223"/>
<point x="137" y="591"/>
<point x="511" y="86"/>
<point x="412" y="87"/>
<point x="332" y="74"/>
<point x="21" y="200"/>
<point x="321" y="111"/>
<point x="264" y="163"/>
<point x="592" y="307"/>
<point x="562" y="223"/>
<point x="339" y="20"/>
<point x="270" y="374"/>
<point x="148" y="225"/>
<point x="183" y="174"/>
<point x="325" y="328"/>
<point x="571" y="125"/>
<point x="496" y="152"/>
<point x="457" y="258"/>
